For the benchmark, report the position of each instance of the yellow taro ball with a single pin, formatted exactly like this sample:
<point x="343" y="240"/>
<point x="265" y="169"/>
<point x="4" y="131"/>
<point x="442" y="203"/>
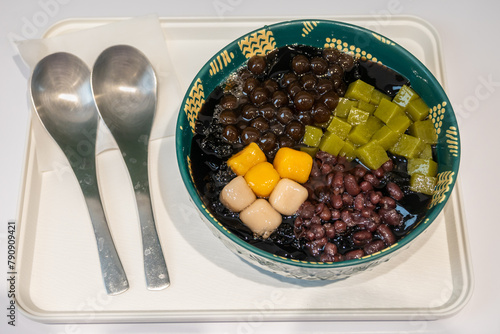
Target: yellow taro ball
<point x="293" y="164"/>
<point x="262" y="178"/>
<point x="242" y="161"/>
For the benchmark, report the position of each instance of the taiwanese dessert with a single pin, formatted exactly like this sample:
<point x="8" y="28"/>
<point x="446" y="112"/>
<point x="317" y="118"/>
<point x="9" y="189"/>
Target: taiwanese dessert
<point x="311" y="154"/>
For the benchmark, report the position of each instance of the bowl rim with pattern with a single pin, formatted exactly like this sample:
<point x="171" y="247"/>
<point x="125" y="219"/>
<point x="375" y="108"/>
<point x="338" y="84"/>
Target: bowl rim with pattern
<point x="362" y="43"/>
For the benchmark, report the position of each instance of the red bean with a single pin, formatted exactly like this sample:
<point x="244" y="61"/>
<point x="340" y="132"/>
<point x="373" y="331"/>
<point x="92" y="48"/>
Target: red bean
<point x="379" y="173"/>
<point x="338" y="183"/>
<point x="326" y="169"/>
<point x="387" y="202"/>
<point x="359" y="202"/>
<point x="318" y="230"/>
<point x="347" y="199"/>
<point x="335" y="214"/>
<point x="372" y="179"/>
<point x="325" y="214"/>
<point x="388" y="165"/>
<point x="306" y="210"/>
<point x="330" y="248"/>
<point x="391" y="216"/>
<point x="361" y="238"/>
<point x="346" y="216"/>
<point x="394" y="191"/>
<point x="365" y="186"/>
<point x="354" y="254"/>
<point x="351" y="186"/>
<point x="340" y="226"/>
<point x="373" y="247"/>
<point x="329" y="230"/>
<point x="359" y="171"/>
<point x="336" y="201"/>
<point x="374" y="197"/>
<point x="386" y="234"/>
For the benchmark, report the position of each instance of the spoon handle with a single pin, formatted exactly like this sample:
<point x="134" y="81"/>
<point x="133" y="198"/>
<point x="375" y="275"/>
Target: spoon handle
<point x="113" y="273"/>
<point x="155" y="267"/>
<point x="135" y="154"/>
<point x="115" y="279"/>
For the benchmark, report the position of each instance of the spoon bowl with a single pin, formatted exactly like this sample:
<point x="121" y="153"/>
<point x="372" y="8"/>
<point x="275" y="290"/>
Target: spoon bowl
<point x="62" y="97"/>
<point x="125" y="90"/>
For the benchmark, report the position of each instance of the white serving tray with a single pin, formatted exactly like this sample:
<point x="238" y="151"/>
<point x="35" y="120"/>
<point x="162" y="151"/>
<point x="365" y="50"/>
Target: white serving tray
<point x="58" y="269"/>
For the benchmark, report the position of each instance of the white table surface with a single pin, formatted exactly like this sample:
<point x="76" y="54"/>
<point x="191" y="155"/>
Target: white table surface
<point x="469" y="35"/>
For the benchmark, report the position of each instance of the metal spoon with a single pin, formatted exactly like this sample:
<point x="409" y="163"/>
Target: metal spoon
<point x="125" y="90"/>
<point x="62" y="97"/>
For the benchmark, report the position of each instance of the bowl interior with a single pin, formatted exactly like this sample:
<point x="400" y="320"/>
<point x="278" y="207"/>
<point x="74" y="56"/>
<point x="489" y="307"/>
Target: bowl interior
<point x="358" y="41"/>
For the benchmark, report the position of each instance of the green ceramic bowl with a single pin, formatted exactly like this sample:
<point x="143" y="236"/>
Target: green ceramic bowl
<point x="349" y="38"/>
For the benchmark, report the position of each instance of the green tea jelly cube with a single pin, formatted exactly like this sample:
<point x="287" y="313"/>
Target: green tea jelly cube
<point x="422" y="166"/>
<point x="331" y="143"/>
<point x="377" y="96"/>
<point x="359" y="135"/>
<point x="348" y="151"/>
<point x="386" y="137"/>
<point x="404" y="96"/>
<point x="399" y="122"/>
<point x="426" y="152"/>
<point x="372" y="155"/>
<point x="310" y="150"/>
<point x="312" y="136"/>
<point x="417" y="110"/>
<point x="422" y="184"/>
<point x="408" y="146"/>
<point x="373" y="124"/>
<point x="357" y="116"/>
<point x="340" y="127"/>
<point x="368" y="107"/>
<point x="359" y="90"/>
<point x="424" y="130"/>
<point x="386" y="110"/>
<point x="344" y="106"/>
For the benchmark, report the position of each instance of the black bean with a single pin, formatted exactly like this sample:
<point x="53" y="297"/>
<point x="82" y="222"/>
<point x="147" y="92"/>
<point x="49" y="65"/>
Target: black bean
<point x="285" y="141"/>
<point x="303" y="101"/>
<point x="300" y="64"/>
<point x="295" y="130"/>
<point x="229" y="102"/>
<point x="331" y="55"/>
<point x="346" y="61"/>
<point x="227" y="117"/>
<point x="287" y="79"/>
<point x="324" y="85"/>
<point x="249" y="135"/>
<point x="260" y="124"/>
<point x="330" y="99"/>
<point x="250" y="84"/>
<point x="267" y="142"/>
<point x="249" y="112"/>
<point x="319" y="65"/>
<point x="230" y="134"/>
<point x="259" y="96"/>
<point x="268" y="111"/>
<point x="257" y="64"/>
<point x="293" y="88"/>
<point x="321" y="113"/>
<point x="271" y="85"/>
<point x="279" y="99"/>
<point x="308" y="81"/>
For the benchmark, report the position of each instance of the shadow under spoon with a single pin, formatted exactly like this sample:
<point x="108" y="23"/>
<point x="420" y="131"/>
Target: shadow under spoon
<point x="125" y="90"/>
<point x="62" y="97"/>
